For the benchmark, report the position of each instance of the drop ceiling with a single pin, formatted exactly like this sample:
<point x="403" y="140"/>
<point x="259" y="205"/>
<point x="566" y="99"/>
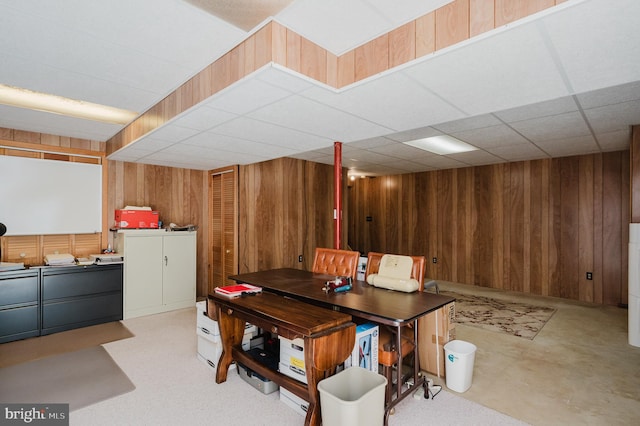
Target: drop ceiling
<point x="565" y="81"/>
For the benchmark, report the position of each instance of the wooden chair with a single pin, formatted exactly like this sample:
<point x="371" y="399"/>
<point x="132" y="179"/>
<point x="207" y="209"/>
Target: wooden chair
<point x="387" y="353"/>
<point x="340" y="263"/>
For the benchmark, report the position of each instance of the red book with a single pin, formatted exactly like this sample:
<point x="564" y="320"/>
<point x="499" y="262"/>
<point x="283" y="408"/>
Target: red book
<point x="237" y="290"/>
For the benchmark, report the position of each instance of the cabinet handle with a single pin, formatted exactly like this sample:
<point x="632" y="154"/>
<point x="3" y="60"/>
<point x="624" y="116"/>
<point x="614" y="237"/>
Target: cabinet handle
<point x="166" y="260"/>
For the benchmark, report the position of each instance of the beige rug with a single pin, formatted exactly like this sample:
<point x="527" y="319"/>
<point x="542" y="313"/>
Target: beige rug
<point x="58" y="343"/>
<point x="517" y="319"/>
<point x="79" y="378"/>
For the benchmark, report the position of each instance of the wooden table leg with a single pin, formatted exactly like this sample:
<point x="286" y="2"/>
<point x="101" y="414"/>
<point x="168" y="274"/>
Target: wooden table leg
<point x="231" y="334"/>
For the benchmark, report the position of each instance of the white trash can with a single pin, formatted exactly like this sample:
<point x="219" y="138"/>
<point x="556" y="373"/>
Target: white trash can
<point x="459" y="357"/>
<point x="354" y="396"/>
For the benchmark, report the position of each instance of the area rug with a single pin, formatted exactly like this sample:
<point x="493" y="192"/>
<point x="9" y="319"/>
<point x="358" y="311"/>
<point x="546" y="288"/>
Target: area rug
<point x="26" y="350"/>
<point x="79" y="378"/>
<point x="517" y="319"/>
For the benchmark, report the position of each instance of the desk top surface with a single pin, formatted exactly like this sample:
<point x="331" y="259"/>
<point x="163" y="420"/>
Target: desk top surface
<point x="291" y="314"/>
<point x="363" y="300"/>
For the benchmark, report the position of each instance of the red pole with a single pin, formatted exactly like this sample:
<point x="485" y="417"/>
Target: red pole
<point x="337" y="190"/>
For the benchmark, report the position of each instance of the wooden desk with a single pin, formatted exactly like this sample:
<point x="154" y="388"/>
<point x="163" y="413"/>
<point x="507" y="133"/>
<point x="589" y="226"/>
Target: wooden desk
<point x="392" y="308"/>
<point x="320" y="328"/>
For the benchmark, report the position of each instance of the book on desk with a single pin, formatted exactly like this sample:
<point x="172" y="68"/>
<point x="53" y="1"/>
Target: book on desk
<point x="238" y="290"/>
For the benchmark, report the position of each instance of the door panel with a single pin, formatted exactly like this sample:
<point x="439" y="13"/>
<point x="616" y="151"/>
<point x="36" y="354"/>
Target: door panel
<point x="224" y="228"/>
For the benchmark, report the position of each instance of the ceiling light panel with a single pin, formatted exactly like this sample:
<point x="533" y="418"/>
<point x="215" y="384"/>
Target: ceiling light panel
<point x="442" y="145"/>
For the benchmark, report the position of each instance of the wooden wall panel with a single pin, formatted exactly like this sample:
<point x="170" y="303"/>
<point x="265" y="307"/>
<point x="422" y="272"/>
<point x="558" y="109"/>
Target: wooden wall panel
<point x="452" y="23"/>
<point x="286" y="210"/>
<point x="372" y="57"/>
<point x="178" y="194"/>
<point x="534" y="227"/>
<point x="426" y="34"/>
<point x="402" y="44"/>
<point x="511" y="10"/>
<point x="481" y="16"/>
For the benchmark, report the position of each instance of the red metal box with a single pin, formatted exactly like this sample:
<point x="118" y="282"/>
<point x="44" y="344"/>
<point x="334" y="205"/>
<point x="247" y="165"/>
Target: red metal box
<point x="126" y="219"/>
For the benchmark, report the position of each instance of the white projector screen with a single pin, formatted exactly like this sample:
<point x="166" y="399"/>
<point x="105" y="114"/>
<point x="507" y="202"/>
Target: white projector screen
<point x="44" y="197"/>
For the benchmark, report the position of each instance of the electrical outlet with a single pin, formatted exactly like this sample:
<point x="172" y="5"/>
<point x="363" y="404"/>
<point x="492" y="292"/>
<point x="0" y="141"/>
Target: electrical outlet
<point x="434" y="260"/>
<point x="589" y="275"/>
<point x="300" y="258"/>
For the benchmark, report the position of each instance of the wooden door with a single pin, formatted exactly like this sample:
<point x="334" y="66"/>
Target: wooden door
<point x="223" y="212"/>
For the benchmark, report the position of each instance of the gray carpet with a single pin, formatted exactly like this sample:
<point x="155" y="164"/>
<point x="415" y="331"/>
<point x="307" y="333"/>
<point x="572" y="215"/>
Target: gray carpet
<point x="79" y="378"/>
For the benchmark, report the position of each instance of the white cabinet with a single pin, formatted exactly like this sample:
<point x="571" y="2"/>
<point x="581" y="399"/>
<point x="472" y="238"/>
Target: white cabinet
<point x="159" y="270"/>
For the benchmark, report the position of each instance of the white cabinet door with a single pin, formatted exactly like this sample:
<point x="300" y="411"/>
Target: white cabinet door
<point x="142" y="274"/>
<point x="179" y="262"/>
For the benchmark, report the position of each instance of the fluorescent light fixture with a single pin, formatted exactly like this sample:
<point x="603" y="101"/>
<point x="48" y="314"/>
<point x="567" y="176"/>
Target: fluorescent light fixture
<point x="25" y="98"/>
<point x="442" y="145"/>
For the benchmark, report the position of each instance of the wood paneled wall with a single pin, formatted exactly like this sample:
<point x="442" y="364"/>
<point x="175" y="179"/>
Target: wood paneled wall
<point x="286" y="210"/>
<point x="534" y="227"/>
<point x="179" y="195"/>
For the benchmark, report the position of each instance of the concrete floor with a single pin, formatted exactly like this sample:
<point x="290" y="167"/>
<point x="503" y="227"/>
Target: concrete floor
<point x="579" y="369"/>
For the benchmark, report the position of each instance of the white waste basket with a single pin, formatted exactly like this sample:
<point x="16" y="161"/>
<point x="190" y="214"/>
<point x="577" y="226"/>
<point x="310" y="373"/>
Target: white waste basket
<point x="459" y="357"/>
<point x="354" y="396"/>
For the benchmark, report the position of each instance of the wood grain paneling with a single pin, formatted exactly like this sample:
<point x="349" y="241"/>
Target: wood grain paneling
<point x="425" y="34"/>
<point x="286" y="210"/>
<point x="507" y="11"/>
<point x="402" y="44"/>
<point x="178" y="194"/>
<point x="481" y="16"/>
<point x="372" y="57"/>
<point x="534" y="227"/>
<point x="452" y="23"/>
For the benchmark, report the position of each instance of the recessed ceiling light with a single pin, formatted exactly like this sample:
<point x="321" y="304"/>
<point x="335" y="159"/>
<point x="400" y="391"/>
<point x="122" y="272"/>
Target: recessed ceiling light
<point x="442" y="145"/>
<point x="25" y="98"/>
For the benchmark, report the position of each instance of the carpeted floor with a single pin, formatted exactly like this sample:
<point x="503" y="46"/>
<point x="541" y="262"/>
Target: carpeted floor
<point x="515" y="318"/>
<point x="78" y="378"/>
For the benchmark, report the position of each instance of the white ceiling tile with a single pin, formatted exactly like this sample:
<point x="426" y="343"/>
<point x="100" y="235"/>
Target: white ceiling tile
<point x="202" y="118"/>
<point x="507" y="69"/>
<point x="476" y="158"/>
<point x="490" y="137"/>
<point x="370" y="143"/>
<point x="614" y="117"/>
<point x="312" y="117"/>
<point x="172" y="133"/>
<point x="570" y="146"/>
<point x="611" y="95"/>
<point x="45" y="122"/>
<point x="394" y="101"/>
<point x="553" y="127"/>
<point x="518" y="152"/>
<point x="400" y="150"/>
<point x="615" y="141"/>
<point x="537" y="110"/>
<point x="411" y="135"/>
<point x="272" y="134"/>
<point x="464" y="124"/>
<point x="596" y="42"/>
<point x="247" y="95"/>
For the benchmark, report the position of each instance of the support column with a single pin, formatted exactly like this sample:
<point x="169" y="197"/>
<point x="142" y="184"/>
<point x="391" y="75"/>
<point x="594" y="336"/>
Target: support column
<point x="635" y="174"/>
<point x="337" y="191"/>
